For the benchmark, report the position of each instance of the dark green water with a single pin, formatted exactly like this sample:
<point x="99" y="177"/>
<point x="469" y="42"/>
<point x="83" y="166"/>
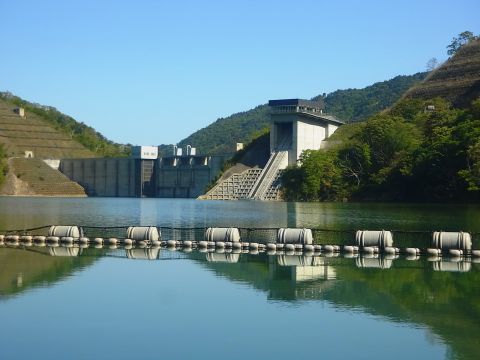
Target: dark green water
<point x="100" y="304"/>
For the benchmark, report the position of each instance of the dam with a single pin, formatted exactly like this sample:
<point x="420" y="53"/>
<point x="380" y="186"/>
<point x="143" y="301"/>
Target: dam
<point x="144" y="174"/>
<point x="296" y="125"/>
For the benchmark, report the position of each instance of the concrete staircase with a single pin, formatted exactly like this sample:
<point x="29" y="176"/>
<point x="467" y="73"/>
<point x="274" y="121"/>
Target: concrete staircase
<point x="237" y="186"/>
<point x="267" y="184"/>
<point x="41" y="179"/>
<point x="258" y="184"/>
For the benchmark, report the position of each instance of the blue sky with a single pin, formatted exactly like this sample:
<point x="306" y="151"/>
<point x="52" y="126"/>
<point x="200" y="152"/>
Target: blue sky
<point x="152" y="72"/>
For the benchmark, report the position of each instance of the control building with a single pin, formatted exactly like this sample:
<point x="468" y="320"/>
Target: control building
<point x="296" y="125"/>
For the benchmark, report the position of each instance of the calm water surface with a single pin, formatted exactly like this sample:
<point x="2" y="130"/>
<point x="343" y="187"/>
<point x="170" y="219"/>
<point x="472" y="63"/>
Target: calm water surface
<point x="101" y="304"/>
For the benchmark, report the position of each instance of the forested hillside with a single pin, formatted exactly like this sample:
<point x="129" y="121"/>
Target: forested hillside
<point x="354" y="105"/>
<point x="425" y="148"/>
<point x="406" y="154"/>
<point x="348" y="105"/>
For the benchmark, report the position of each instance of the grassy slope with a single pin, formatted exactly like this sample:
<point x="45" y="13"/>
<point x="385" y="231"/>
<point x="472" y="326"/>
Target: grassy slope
<point x="45" y="124"/>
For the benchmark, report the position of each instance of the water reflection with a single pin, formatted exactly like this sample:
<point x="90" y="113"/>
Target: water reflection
<point x="146" y="253"/>
<point x="64" y="251"/>
<point x="391" y="287"/>
<point x="452" y="265"/>
<point x="222" y="257"/>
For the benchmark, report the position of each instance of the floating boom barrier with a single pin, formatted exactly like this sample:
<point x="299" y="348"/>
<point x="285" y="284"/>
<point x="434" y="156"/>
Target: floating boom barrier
<point x="368" y="243"/>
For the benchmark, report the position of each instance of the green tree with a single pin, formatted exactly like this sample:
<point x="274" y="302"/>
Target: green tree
<point x="355" y="162"/>
<point x="457" y="42"/>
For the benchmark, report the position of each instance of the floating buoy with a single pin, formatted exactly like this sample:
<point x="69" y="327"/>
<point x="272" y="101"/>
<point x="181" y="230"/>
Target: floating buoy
<point x="318" y="247"/>
<point x="434" y="252"/>
<point x="350" y="249"/>
<point x="98" y="241"/>
<point x="455" y="252"/>
<point x="156" y="243"/>
<point x="382" y="239"/>
<point x="65" y="231"/>
<point x="220" y="244"/>
<point x="368" y="250"/>
<point x="26" y="238"/>
<point x="112" y="241"/>
<point x="171" y="243"/>
<point x="271" y="246"/>
<point x="52" y="239"/>
<point x="309" y="248"/>
<point x="452" y="240"/>
<point x="390" y="250"/>
<point x="187" y="243"/>
<point x="128" y="242"/>
<point x="142" y="244"/>
<point x="83" y="240"/>
<point x="202" y="244"/>
<point x="211" y="243"/>
<point x="236" y="245"/>
<point x="67" y="239"/>
<point x="289" y="247"/>
<point x="228" y="244"/>
<point x="253" y="246"/>
<point x="39" y="239"/>
<point x="328" y="248"/>
<point x="295" y="236"/>
<point x="143" y="233"/>
<point x="280" y="246"/>
<point x="245" y="244"/>
<point x="298" y="247"/>
<point x="412" y="251"/>
<point x="12" y="238"/>
<point x="222" y="234"/>
<point x="476" y="253"/>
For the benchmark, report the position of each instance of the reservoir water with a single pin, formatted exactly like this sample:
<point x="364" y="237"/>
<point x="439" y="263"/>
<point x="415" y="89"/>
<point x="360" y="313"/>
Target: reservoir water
<point x="111" y="304"/>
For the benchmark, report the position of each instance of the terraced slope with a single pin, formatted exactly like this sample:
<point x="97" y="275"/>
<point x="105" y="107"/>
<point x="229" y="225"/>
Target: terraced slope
<point x="457" y="80"/>
<point x="31" y="133"/>
<point x="34" y="177"/>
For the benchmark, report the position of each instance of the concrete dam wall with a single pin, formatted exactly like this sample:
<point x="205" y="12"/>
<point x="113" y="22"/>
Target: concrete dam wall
<point x="166" y="177"/>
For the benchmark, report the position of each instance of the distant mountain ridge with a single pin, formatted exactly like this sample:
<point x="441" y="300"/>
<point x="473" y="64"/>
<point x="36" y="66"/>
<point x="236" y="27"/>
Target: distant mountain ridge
<point x="350" y="105"/>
